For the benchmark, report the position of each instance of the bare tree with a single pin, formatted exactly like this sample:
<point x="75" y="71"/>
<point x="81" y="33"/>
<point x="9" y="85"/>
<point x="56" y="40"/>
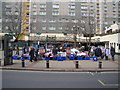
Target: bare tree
<point x="15" y="21"/>
<point x="74" y="29"/>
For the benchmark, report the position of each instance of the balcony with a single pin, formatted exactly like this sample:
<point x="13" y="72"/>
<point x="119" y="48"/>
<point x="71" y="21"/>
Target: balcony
<point x="56" y="6"/>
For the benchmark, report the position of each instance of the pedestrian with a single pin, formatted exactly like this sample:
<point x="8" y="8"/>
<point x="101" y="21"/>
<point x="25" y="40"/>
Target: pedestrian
<point x="112" y="52"/>
<point x="92" y="51"/>
<point x="107" y="53"/>
<point x="103" y="52"/>
<point x="36" y="54"/>
<point x="31" y="53"/>
<point x="98" y="52"/>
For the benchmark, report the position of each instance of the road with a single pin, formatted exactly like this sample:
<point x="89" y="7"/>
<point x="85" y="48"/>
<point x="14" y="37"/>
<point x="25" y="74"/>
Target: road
<point x="39" y="79"/>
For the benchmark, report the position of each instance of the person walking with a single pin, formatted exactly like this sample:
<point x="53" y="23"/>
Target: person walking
<point x="98" y="52"/>
<point x="107" y="53"/>
<point x="112" y="52"/>
<point x="36" y="54"/>
<point x="31" y="53"/>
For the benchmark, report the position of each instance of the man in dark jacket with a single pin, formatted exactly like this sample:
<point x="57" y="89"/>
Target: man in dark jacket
<point x="32" y="51"/>
<point x="112" y="51"/>
<point x="98" y="52"/>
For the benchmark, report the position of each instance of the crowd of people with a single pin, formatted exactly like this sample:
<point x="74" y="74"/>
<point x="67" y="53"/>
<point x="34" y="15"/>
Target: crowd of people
<point x="100" y="52"/>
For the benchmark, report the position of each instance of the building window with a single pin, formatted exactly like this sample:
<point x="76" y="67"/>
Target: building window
<point x="16" y="13"/>
<point x="43" y="20"/>
<point x="16" y="19"/>
<point x="34" y="28"/>
<point x="119" y="46"/>
<point x="114" y="9"/>
<point x="0" y="19"/>
<point x="71" y="6"/>
<point x="6" y="27"/>
<point x="55" y="6"/>
<point x="34" y="13"/>
<point x="66" y="20"/>
<point x="60" y="20"/>
<point x="34" y="5"/>
<point x="8" y="12"/>
<point x="52" y="28"/>
<point x="28" y="7"/>
<point x="27" y="21"/>
<point x="98" y="5"/>
<point x="34" y="20"/>
<point x="105" y="15"/>
<point x="52" y="20"/>
<point x="27" y="14"/>
<point x="74" y="21"/>
<point x="60" y="28"/>
<point x="43" y="28"/>
<point x="42" y="13"/>
<point x="105" y="8"/>
<point x="8" y="6"/>
<point x="105" y="22"/>
<point x="27" y="28"/>
<point x="71" y="13"/>
<point x="84" y="7"/>
<point x="105" y="1"/>
<point x="55" y="13"/>
<point x="42" y="5"/>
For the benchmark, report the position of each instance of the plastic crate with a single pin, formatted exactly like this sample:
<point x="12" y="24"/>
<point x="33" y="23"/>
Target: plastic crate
<point x="54" y="58"/>
<point x="87" y="58"/>
<point x="80" y="58"/>
<point x="72" y="58"/>
<point x="15" y="57"/>
<point x="47" y="58"/>
<point x="64" y="58"/>
<point x="60" y="58"/>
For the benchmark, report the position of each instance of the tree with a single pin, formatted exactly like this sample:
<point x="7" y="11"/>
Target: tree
<point x="13" y="20"/>
<point x="74" y="29"/>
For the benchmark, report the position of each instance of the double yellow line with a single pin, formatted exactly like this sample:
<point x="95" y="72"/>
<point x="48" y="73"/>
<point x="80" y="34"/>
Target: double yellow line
<point x="108" y="84"/>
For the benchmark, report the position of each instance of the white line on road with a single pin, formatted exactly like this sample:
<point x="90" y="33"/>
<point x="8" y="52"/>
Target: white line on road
<point x="112" y="85"/>
<point x="43" y="71"/>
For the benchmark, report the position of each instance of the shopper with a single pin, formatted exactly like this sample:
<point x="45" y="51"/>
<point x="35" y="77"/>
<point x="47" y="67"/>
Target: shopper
<point x="107" y="53"/>
<point x="31" y="53"/>
<point x="112" y="52"/>
<point x="98" y="52"/>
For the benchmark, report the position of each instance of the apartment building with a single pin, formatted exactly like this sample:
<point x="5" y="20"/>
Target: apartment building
<point x="15" y="16"/>
<point x="56" y="16"/>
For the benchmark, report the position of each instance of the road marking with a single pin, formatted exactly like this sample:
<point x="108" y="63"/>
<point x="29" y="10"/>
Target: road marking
<point x="101" y="82"/>
<point x="109" y="72"/>
<point x="43" y="71"/>
<point x="91" y="73"/>
<point x="112" y="85"/>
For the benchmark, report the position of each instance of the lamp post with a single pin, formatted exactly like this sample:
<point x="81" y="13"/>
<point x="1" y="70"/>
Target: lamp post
<point x="75" y="32"/>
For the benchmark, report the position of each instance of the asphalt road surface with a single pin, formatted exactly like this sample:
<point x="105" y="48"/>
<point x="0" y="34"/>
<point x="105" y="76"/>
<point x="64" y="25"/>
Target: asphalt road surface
<point x="39" y="79"/>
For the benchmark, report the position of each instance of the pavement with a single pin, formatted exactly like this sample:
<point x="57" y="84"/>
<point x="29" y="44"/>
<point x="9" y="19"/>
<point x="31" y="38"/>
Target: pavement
<point x="67" y="65"/>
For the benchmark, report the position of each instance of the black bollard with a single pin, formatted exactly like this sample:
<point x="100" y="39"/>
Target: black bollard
<point x="47" y="64"/>
<point x="100" y="65"/>
<point x="23" y="63"/>
<point x="77" y="64"/>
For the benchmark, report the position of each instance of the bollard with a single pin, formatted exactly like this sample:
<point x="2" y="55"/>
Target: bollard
<point x="100" y="65"/>
<point x="0" y="63"/>
<point x="23" y="63"/>
<point x="77" y="64"/>
<point x="47" y="64"/>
